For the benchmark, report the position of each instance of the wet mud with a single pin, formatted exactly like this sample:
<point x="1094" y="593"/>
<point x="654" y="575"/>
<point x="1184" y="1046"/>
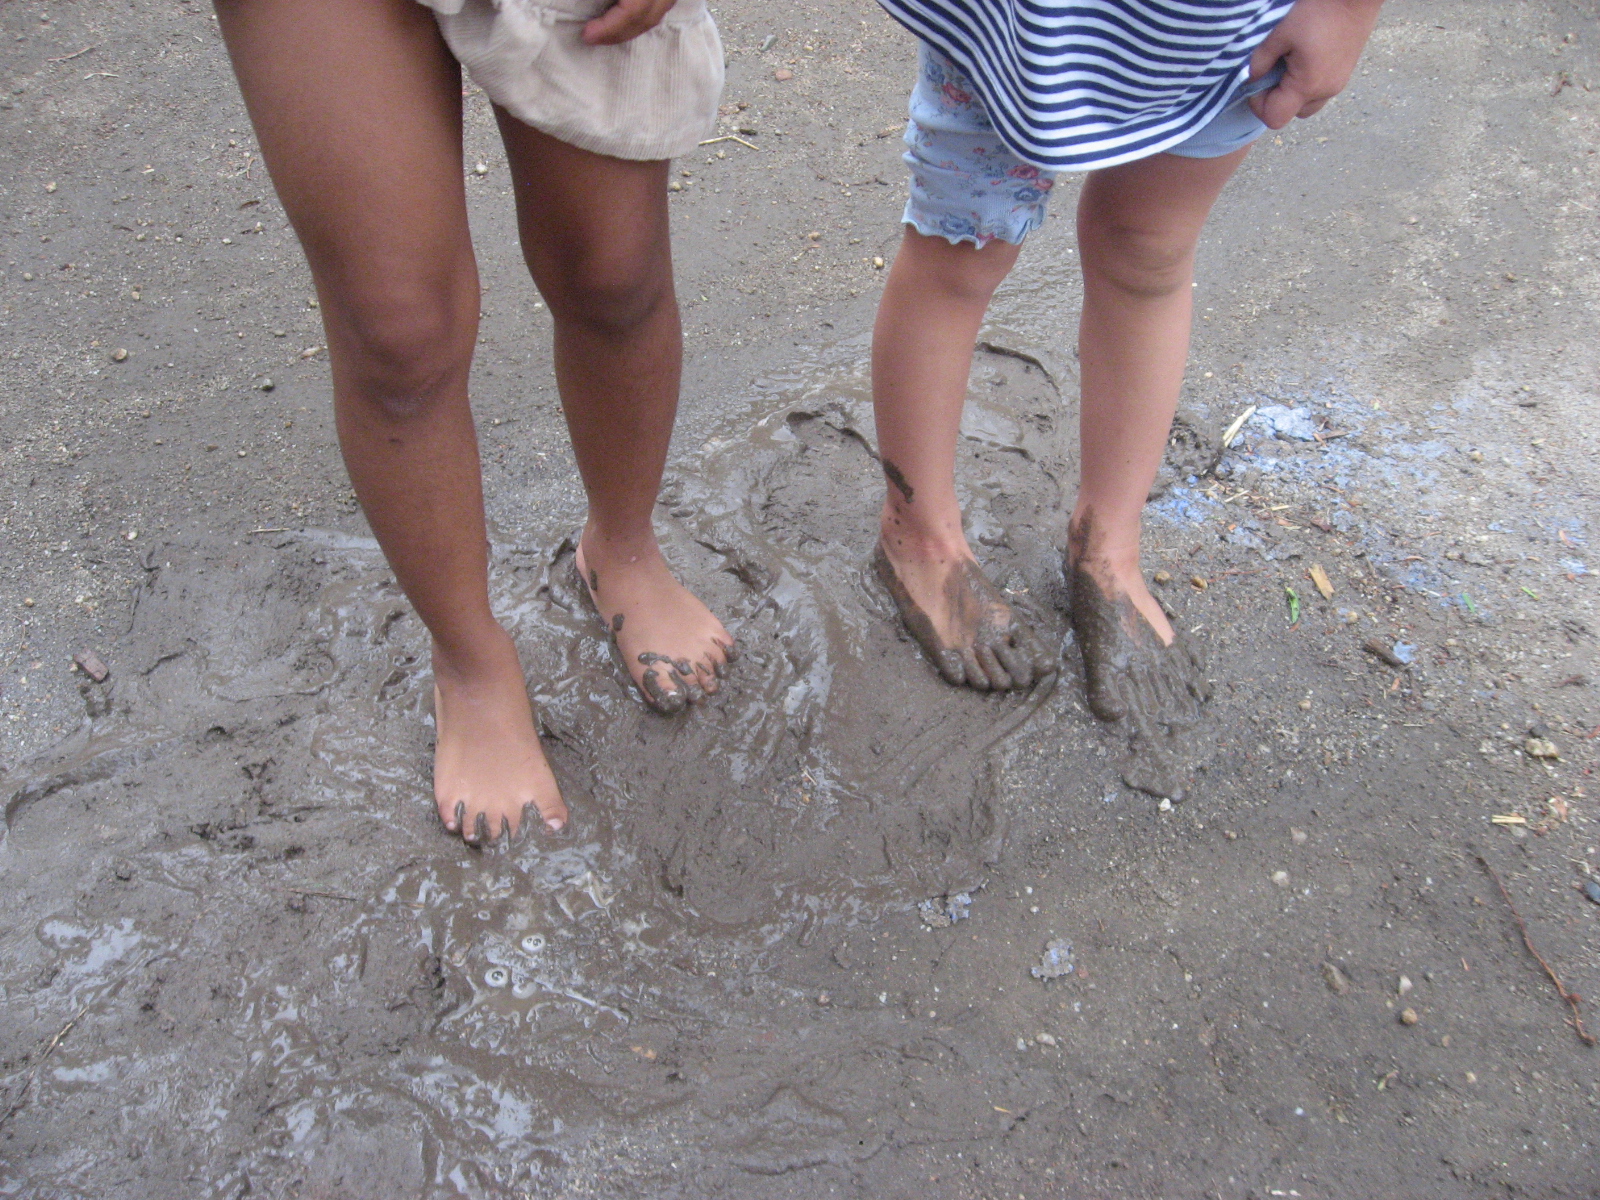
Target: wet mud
<point x="294" y="980"/>
<point x="1154" y="692"/>
<point x="994" y="649"/>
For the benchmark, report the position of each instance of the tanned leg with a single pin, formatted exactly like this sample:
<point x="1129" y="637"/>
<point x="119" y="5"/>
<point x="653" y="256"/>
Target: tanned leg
<point x="594" y="233"/>
<point x="933" y="304"/>
<point x="1137" y="229"/>
<point x="357" y="104"/>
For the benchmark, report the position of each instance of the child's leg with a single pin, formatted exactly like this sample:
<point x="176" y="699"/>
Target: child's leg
<point x="595" y="235"/>
<point x="933" y="304"/>
<point x="358" y="107"/>
<point x="1137" y="228"/>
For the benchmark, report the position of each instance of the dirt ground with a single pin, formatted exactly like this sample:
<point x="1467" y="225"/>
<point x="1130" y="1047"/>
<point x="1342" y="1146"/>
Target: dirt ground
<point x="844" y="931"/>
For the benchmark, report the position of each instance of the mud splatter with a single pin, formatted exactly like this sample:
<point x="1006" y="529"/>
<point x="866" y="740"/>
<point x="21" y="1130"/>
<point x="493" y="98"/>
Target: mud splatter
<point x="897" y="477"/>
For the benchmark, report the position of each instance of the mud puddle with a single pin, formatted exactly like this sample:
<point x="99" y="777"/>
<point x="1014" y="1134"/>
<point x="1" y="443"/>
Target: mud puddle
<point x="281" y="975"/>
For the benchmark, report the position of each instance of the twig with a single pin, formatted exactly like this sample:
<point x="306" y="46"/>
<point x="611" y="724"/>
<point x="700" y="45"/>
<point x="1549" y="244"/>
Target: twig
<point x="1572" y="998"/>
<point x="323" y="895"/>
<point x="1235" y="425"/>
<point x="34" y="1074"/>
<point x="728" y="137"/>
<point x="73" y="55"/>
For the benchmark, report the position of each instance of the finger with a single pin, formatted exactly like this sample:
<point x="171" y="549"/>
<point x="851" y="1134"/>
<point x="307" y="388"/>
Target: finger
<point x="624" y="21"/>
<point x="1313" y="108"/>
<point x="1278" y="105"/>
<point x="1267" y="54"/>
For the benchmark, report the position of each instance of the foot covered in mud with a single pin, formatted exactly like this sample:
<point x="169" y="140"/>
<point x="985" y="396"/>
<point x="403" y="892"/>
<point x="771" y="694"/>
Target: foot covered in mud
<point x="489" y="771"/>
<point x="1135" y="667"/>
<point x="962" y="622"/>
<point x="674" y="649"/>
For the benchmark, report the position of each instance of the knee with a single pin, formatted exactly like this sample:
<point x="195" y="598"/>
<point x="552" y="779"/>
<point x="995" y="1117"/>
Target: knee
<point x="610" y="292"/>
<point x="1140" y="261"/>
<point x="405" y="351"/>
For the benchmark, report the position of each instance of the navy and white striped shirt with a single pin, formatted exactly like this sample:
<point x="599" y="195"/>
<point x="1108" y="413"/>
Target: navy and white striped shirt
<point x="1075" y="86"/>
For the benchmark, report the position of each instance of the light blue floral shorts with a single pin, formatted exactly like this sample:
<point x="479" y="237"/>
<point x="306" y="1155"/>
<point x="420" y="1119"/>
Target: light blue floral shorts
<point x="967" y="185"/>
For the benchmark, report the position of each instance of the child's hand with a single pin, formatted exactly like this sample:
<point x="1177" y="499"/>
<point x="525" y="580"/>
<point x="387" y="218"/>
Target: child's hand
<point x="625" y="20"/>
<point x="1319" y="41"/>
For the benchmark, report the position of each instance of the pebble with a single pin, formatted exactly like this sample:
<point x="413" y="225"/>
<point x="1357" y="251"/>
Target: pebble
<point x="1045" y="1039"/>
<point x="481" y="169"/>
<point x="1165" y="805"/>
<point x="766" y="42"/>
<point x="1280" y="878"/>
<point x="1591" y="889"/>
<point x="119" y="355"/>
<point x="1162" y="577"/>
<point x="877" y="263"/>
<point x="1408" y="1016"/>
<point x="51" y="186"/>
<point x="310" y="351"/>
<point x="1405" y="985"/>
<point x="27" y="277"/>
<point x="1336" y="979"/>
<point x="783" y="74"/>
<point x="266" y="385"/>
<point x="824" y="999"/>
<point x="1199" y="582"/>
<point x="1475" y="455"/>
<point x="27" y="602"/>
<point x="1298" y="835"/>
<point x="1305" y="706"/>
<point x="674" y="186"/>
<point x="1538" y="747"/>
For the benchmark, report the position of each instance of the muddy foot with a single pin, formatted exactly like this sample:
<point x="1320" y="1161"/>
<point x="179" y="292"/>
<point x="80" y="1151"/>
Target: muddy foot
<point x="963" y="623"/>
<point x="1130" y="671"/>
<point x="488" y="768"/>
<point x="676" y="652"/>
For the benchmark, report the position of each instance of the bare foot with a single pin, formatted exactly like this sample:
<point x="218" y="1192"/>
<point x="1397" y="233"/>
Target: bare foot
<point x="1134" y="665"/>
<point x="959" y="618"/>
<point x="675" y="650"/>
<point x="488" y="766"/>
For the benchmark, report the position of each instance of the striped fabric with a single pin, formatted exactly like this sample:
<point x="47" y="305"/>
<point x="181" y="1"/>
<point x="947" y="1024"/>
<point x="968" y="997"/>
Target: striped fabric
<point x="1075" y="86"/>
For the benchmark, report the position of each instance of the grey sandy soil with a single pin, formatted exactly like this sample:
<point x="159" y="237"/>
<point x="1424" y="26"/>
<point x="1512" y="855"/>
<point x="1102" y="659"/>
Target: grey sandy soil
<point x="787" y="948"/>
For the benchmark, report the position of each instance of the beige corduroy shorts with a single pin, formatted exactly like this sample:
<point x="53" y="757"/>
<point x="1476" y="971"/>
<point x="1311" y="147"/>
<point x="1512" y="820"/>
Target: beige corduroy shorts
<point x="650" y="98"/>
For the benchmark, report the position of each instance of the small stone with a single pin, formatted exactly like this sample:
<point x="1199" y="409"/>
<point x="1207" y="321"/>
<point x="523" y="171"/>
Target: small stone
<point x="1045" y="1039"/>
<point x="27" y="277"/>
<point x="91" y="665"/>
<point x="1405" y="985"/>
<point x="1472" y="1077"/>
<point x="27" y="602"/>
<point x="1298" y="836"/>
<point x="241" y="453"/>
<point x="824" y="999"/>
<point x="480" y="168"/>
<point x="1475" y="455"/>
<point x="783" y="74"/>
<point x="310" y="351"/>
<point x="674" y="186"/>
<point x="1055" y="962"/>
<point x="1336" y="979"/>
<point x="1408" y="1016"/>
<point x="1538" y="747"/>
<point x="1591" y="889"/>
<point x="1165" y="805"/>
<point x="1280" y="878"/>
<point x="1199" y="582"/>
<point x="119" y="355"/>
<point x="1305" y="706"/>
<point x="1162" y="577"/>
<point x="266" y="385"/>
<point x="51" y="186"/>
<point x="877" y="262"/>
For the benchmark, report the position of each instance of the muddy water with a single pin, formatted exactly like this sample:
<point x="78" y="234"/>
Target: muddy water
<point x="284" y="975"/>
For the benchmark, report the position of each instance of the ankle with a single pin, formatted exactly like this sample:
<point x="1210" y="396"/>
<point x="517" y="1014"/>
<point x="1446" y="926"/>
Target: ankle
<point x="618" y="548"/>
<point x="921" y="533"/>
<point x="471" y="656"/>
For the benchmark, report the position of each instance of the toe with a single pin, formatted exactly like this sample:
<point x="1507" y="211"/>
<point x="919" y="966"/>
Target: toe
<point x="952" y="669"/>
<point x="1017" y="663"/>
<point x="457" y="818"/>
<point x="977" y="677"/>
<point x="999" y="677"/>
<point x="664" y="701"/>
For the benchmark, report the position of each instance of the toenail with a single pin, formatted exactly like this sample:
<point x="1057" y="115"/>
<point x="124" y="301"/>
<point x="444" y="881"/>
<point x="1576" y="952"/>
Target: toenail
<point x="555" y="824"/>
